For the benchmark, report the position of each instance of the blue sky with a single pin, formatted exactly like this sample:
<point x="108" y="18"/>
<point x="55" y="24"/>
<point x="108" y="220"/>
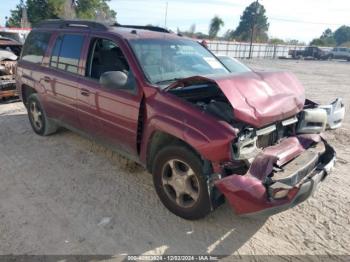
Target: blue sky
<point x="289" y="19"/>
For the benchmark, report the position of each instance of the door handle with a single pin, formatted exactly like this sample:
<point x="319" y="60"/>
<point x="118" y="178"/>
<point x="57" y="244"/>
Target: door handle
<point x="47" y="79"/>
<point x="84" y="92"/>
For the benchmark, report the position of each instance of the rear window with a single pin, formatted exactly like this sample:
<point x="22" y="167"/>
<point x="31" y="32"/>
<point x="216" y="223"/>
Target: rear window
<point x="66" y="53"/>
<point x="35" y="47"/>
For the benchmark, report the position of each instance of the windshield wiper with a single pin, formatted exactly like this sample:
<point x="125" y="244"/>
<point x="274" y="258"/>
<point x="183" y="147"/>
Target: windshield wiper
<point x="168" y="80"/>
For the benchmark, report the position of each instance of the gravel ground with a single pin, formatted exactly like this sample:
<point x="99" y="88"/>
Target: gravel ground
<point x="64" y="194"/>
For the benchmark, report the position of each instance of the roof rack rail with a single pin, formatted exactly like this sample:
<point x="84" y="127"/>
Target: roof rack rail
<point x="89" y="24"/>
<point x="147" y="27"/>
<point x="61" y="24"/>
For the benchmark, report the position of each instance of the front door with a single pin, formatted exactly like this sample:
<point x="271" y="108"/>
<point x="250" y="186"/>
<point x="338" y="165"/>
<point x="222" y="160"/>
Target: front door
<point x="111" y="113"/>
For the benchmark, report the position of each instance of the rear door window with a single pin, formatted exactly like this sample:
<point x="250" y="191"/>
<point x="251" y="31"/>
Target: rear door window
<point x="35" y="46"/>
<point x="66" y="53"/>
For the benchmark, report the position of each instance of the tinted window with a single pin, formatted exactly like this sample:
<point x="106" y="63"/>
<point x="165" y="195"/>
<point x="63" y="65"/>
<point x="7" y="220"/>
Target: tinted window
<point x="66" y="53"/>
<point x="35" y="47"/>
<point x="56" y="52"/>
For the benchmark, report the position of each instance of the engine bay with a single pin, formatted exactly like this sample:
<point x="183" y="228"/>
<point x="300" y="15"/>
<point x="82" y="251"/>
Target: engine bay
<point x="250" y="141"/>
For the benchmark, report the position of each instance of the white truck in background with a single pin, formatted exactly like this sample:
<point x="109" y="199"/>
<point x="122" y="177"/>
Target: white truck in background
<point x="340" y="53"/>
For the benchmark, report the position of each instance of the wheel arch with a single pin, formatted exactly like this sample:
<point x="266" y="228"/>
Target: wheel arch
<point x="160" y="139"/>
<point x="26" y="91"/>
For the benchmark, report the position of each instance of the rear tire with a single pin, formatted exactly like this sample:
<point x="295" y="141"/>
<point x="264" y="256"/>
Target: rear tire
<point x="38" y="119"/>
<point x="181" y="183"/>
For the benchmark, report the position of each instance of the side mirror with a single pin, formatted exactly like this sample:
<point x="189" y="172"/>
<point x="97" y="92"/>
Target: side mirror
<point x="114" y="79"/>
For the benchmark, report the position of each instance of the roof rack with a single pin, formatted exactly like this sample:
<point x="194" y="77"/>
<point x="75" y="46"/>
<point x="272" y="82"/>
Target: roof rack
<point x="89" y="24"/>
<point x="147" y="27"/>
<point x="61" y="24"/>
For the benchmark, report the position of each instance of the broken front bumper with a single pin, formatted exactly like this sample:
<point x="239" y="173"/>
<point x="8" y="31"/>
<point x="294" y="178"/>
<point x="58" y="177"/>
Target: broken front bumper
<point x="252" y="192"/>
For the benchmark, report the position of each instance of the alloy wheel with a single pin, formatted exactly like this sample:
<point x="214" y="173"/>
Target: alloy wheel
<point x="180" y="183"/>
<point x="36" y="115"/>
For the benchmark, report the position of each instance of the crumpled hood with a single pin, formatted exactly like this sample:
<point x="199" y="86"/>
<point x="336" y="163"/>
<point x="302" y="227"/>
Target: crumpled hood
<point x="258" y="98"/>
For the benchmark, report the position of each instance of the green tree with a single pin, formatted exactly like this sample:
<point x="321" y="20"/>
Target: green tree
<point x="295" y="42"/>
<point x="229" y="35"/>
<point x="326" y="39"/>
<point x="16" y="14"/>
<point x="215" y="25"/>
<point x="327" y="33"/>
<point x="89" y="9"/>
<point x="346" y="44"/>
<point x="276" y="41"/>
<point x="318" y="42"/>
<point x="39" y="10"/>
<point x="63" y="8"/>
<point x="342" y="35"/>
<point x="191" y="32"/>
<point x="253" y="15"/>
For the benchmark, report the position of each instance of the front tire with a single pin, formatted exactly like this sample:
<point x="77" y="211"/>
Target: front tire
<point x="38" y="119"/>
<point x="181" y="183"/>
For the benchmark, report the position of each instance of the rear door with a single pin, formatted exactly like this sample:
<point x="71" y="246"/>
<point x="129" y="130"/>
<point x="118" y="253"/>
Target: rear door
<point x="110" y="113"/>
<point x="63" y="80"/>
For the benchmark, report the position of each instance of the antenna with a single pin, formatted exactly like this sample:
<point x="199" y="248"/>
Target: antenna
<point x="166" y="14"/>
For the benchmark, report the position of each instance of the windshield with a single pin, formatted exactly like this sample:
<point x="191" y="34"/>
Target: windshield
<point x="166" y="60"/>
<point x="233" y="65"/>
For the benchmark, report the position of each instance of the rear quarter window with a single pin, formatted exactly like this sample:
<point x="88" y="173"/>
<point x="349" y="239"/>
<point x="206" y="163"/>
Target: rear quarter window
<point x="66" y="53"/>
<point x="35" y="47"/>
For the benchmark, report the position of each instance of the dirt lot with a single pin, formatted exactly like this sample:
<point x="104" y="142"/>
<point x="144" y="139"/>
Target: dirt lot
<point x="67" y="195"/>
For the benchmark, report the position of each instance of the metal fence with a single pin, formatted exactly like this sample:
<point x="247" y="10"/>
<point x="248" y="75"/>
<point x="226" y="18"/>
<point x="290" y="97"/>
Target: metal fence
<point x="241" y="50"/>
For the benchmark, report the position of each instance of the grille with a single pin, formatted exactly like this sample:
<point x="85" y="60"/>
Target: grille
<point x="266" y="140"/>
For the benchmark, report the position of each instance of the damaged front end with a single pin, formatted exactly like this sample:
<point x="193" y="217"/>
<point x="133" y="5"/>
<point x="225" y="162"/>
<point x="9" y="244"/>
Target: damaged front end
<point x="9" y="52"/>
<point x="280" y="176"/>
<point x="278" y="156"/>
<point x="7" y="79"/>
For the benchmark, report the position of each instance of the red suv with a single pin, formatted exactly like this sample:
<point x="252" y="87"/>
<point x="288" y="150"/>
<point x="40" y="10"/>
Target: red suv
<point x="205" y="134"/>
